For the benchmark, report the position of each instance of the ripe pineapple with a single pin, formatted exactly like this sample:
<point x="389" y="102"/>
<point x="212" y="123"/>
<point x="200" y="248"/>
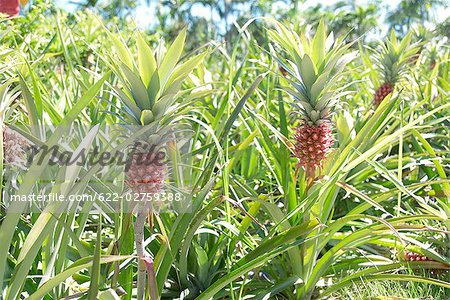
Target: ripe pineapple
<point x="392" y="59"/>
<point x="314" y="65"/>
<point x="149" y="90"/>
<point x="15" y="147"/>
<point x="382" y="92"/>
<point x="147" y="172"/>
<point x="412" y="256"/>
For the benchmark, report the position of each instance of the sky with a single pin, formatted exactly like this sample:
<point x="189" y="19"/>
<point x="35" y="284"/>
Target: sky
<point x="144" y="15"/>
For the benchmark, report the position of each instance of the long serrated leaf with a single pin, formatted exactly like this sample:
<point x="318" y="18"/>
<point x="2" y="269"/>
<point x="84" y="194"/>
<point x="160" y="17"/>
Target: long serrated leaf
<point x="171" y="58"/>
<point x="73" y="269"/>
<point x="137" y="88"/>
<point x="146" y="59"/>
<point x="318" y="44"/>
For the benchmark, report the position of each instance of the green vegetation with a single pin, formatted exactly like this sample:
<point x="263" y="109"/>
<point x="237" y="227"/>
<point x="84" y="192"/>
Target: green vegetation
<point x="303" y="179"/>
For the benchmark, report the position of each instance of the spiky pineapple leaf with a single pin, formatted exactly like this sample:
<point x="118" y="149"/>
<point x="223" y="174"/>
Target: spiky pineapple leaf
<point x="153" y="89"/>
<point x="319" y="65"/>
<point x="146" y="60"/>
<point x="319" y="44"/>
<point x="182" y="71"/>
<point x="171" y="58"/>
<point x="137" y="88"/>
<point x="307" y="72"/>
<point x="130" y="105"/>
<point x="122" y="49"/>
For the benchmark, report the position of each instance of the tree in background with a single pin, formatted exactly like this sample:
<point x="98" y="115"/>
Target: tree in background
<point x="215" y="20"/>
<point x="110" y="8"/>
<point x="347" y="18"/>
<point x="412" y="12"/>
<point x="443" y="28"/>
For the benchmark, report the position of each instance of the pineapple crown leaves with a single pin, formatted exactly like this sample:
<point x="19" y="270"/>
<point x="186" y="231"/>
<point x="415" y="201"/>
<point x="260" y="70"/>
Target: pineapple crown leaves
<point x="422" y="34"/>
<point x="393" y="56"/>
<point x="152" y="83"/>
<point x="314" y="65"/>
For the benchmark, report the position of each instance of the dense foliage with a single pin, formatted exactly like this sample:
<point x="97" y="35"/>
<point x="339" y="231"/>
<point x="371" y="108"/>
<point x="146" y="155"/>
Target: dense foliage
<point x="307" y="176"/>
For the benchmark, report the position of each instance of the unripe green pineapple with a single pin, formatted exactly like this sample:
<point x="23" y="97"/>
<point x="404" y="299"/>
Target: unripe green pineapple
<point x="312" y="66"/>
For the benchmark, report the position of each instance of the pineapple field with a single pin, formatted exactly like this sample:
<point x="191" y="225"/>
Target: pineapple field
<point x="268" y="152"/>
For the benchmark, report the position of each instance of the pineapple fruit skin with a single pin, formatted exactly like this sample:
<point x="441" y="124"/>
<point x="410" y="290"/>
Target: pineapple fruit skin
<point x="146" y="174"/>
<point x="382" y="92"/>
<point x="412" y="256"/>
<point x="312" y="144"/>
<point x="14" y="147"/>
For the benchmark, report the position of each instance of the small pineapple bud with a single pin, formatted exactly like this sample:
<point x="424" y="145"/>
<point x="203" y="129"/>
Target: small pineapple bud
<point x="382" y="92"/>
<point x="414" y="58"/>
<point x="312" y="144"/>
<point x="432" y="64"/>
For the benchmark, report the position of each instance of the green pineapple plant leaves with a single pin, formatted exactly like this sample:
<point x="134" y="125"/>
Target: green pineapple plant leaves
<point x="149" y="90"/>
<point x="314" y="66"/>
<point x="392" y="59"/>
<point x="259" y="224"/>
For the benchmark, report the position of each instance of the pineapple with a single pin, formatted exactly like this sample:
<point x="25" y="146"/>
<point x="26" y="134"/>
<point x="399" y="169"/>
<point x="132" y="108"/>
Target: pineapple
<point x="149" y="90"/>
<point x="412" y="256"/>
<point x="314" y="65"/>
<point x="421" y="34"/>
<point x="312" y="144"/>
<point x="148" y="93"/>
<point x="144" y="175"/>
<point x="283" y="71"/>
<point x="433" y="56"/>
<point x="382" y="92"/>
<point x="392" y="59"/>
<point x="15" y="147"/>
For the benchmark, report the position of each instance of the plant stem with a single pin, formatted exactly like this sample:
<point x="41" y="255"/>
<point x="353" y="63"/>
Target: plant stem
<point x="139" y="240"/>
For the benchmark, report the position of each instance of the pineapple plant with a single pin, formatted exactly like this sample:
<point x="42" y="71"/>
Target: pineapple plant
<point x="148" y="91"/>
<point x="421" y="35"/>
<point x="314" y="65"/>
<point x="391" y="60"/>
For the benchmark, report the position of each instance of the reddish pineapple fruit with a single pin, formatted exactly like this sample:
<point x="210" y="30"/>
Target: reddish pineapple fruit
<point x="412" y="256"/>
<point x="14" y="147"/>
<point x="146" y="173"/>
<point x="312" y="144"/>
<point x="382" y="92"/>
